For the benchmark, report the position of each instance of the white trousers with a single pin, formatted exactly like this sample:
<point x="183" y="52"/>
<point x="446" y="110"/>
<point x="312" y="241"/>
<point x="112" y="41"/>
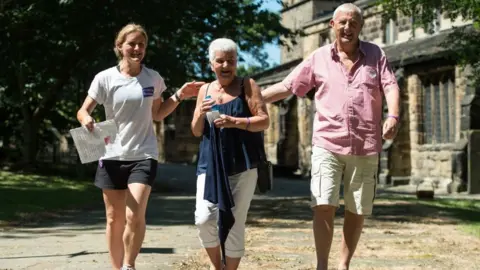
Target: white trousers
<point x="243" y="187"/>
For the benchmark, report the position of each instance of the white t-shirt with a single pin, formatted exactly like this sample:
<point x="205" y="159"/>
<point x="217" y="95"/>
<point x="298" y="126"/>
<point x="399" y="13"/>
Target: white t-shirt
<point x="128" y="100"/>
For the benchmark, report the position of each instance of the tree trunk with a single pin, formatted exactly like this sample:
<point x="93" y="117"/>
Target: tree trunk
<point x="30" y="142"/>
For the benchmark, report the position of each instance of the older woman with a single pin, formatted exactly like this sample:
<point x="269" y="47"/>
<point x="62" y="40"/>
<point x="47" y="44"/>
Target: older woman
<point x="131" y="95"/>
<point x="229" y="154"/>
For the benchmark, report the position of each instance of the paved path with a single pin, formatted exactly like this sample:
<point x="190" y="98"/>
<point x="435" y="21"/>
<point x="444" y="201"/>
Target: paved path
<point x="75" y="240"/>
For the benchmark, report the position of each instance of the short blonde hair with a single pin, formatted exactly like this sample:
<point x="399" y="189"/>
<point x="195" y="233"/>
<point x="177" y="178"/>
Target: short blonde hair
<point x="122" y="35"/>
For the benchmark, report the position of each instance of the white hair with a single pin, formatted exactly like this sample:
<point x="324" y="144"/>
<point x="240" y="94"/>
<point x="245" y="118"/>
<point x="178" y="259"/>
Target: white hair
<point x="346" y="8"/>
<point x="222" y="45"/>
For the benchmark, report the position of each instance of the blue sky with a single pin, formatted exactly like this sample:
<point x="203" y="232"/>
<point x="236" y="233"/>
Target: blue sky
<point x="272" y="50"/>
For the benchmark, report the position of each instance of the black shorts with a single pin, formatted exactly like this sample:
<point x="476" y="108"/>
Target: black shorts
<point x="117" y="174"/>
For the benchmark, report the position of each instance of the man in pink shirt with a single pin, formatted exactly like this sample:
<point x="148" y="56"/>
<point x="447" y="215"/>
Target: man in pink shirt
<point x="350" y="77"/>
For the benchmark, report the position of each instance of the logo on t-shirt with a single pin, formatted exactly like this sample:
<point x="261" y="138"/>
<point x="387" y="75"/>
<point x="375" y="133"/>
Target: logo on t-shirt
<point x="372" y="73"/>
<point x="148" y="91"/>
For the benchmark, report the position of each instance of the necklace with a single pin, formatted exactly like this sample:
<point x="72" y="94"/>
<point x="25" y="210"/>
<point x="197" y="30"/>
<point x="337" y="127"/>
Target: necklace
<point x="220" y="96"/>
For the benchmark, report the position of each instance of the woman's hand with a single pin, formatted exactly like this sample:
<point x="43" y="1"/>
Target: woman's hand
<point x="206" y="106"/>
<point x="88" y="123"/>
<point x="189" y="89"/>
<point x="225" y="121"/>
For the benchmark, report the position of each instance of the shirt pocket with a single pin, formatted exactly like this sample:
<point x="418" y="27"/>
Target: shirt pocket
<point x="368" y="86"/>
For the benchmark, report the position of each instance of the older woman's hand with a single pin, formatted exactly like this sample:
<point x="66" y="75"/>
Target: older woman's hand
<point x="225" y="121"/>
<point x="206" y="106"/>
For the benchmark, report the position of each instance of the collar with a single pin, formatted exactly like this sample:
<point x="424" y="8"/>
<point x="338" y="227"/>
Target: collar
<point x="334" y="50"/>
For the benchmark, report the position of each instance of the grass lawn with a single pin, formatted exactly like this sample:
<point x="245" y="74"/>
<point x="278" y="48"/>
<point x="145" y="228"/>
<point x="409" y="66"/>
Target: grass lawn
<point x="24" y="197"/>
<point x="466" y="212"/>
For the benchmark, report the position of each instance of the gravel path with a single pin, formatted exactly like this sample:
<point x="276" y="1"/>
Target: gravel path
<point x="279" y="235"/>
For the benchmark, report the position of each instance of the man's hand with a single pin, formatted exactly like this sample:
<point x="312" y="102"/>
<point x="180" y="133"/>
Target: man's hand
<point x="390" y="128"/>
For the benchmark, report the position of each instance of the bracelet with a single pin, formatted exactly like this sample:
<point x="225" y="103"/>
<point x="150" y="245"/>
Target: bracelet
<point x="248" y="123"/>
<point x="177" y="97"/>
<point x="394" y="116"/>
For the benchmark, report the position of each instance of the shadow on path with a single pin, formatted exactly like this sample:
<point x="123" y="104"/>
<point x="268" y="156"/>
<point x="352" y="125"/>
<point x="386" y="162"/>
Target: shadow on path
<point x="173" y="203"/>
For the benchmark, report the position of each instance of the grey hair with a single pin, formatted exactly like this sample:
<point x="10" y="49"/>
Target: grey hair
<point x="222" y="45"/>
<point x="348" y="7"/>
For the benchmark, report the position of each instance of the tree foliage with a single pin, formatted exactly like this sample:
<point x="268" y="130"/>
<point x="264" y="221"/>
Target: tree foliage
<point x="52" y="49"/>
<point x="464" y="42"/>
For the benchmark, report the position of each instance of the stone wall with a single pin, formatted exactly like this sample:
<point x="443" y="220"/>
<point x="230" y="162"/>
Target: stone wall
<point x="294" y="19"/>
<point x="404" y="28"/>
<point x="179" y="143"/>
<point x="431" y="162"/>
<point x="400" y="159"/>
<point x="373" y="27"/>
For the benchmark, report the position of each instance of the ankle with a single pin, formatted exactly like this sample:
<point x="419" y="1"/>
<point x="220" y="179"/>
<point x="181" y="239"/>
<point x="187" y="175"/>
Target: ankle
<point x="343" y="266"/>
<point x="322" y="265"/>
<point x="127" y="267"/>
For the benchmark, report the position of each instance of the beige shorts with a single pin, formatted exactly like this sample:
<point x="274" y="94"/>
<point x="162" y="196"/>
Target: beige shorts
<point x="358" y="174"/>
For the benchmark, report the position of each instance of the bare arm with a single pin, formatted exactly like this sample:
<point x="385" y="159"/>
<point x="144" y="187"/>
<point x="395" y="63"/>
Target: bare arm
<point x="390" y="126"/>
<point x="198" y="121"/>
<point x="392" y="96"/>
<point x="162" y="109"/>
<point x="83" y="114"/>
<point x="275" y="93"/>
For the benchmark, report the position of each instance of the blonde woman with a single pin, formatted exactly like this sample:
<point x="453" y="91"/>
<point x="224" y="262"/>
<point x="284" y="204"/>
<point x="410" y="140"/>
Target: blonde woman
<point x="131" y="95"/>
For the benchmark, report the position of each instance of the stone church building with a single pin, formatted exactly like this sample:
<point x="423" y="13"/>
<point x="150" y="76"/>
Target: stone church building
<point x="433" y="89"/>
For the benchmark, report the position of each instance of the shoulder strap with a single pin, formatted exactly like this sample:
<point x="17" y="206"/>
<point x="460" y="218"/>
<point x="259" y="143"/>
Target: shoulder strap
<point x="242" y="86"/>
<point x="206" y="91"/>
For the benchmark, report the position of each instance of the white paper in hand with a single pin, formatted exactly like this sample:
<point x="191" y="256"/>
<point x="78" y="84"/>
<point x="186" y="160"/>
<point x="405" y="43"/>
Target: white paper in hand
<point x="102" y="142"/>
<point x="212" y="115"/>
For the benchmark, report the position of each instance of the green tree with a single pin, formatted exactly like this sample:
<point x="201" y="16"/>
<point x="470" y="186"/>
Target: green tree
<point x="463" y="43"/>
<point x="52" y="49"/>
<point x="243" y="70"/>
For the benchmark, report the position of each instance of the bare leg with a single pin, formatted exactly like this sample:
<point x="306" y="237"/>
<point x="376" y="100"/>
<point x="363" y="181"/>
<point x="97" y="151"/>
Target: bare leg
<point x="134" y="234"/>
<point x="115" y="202"/>
<point x="323" y="216"/>
<point x="215" y="257"/>
<point x="352" y="229"/>
<point x="232" y="263"/>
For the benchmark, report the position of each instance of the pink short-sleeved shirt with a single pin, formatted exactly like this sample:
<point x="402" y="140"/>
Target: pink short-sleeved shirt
<point x="348" y="104"/>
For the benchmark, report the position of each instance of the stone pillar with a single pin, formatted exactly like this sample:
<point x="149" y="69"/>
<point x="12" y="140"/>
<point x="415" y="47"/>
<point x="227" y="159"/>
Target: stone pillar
<point x="469" y="114"/>
<point x="395" y="162"/>
<point x="414" y="86"/>
<point x="461" y="89"/>
<point x="467" y="172"/>
<point x="306" y="111"/>
<point x="384" y="177"/>
<point x="158" y="128"/>
<point x="271" y="134"/>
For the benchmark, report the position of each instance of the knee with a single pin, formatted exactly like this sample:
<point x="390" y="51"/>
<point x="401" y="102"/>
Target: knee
<point x="134" y="219"/>
<point x="115" y="217"/>
<point x="202" y="221"/>
<point x="324" y="210"/>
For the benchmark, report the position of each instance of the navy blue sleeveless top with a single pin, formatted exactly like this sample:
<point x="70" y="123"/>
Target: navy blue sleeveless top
<point x="240" y="147"/>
